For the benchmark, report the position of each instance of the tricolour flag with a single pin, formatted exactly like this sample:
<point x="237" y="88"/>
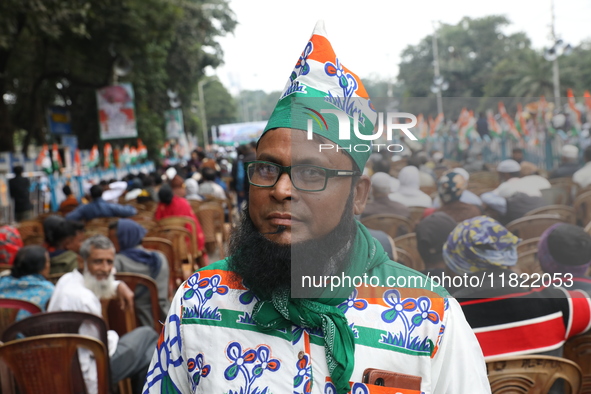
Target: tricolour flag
<point x="436" y="125"/>
<point x="575" y="113"/>
<point x="108" y="154"/>
<point x="509" y="122"/>
<point x="493" y="125"/>
<point x="56" y="158"/>
<point x="94" y="157"/>
<point x="142" y="151"/>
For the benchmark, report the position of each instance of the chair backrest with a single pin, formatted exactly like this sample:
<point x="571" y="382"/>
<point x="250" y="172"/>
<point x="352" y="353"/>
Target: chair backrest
<point x="484" y="178"/>
<point x="211" y="218"/>
<point x="43" y="364"/>
<point x="178" y="236"/>
<point x="533" y="226"/>
<point x="132" y="281"/>
<point x="528" y="244"/>
<point x="588" y="228"/>
<point x="555" y="195"/>
<point x="182" y="221"/>
<point x="578" y="350"/>
<point x="393" y="225"/>
<point x="175" y="265"/>
<point x="408" y="242"/>
<point x="583" y="207"/>
<point x="404" y="258"/>
<point x="532" y="374"/>
<point x="582" y="190"/>
<point x="9" y="308"/>
<point x="568" y="214"/>
<point x="528" y="263"/>
<point x="416" y="214"/>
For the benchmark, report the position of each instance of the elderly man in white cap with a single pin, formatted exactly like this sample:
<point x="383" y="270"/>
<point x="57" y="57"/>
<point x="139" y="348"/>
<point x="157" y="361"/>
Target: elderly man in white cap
<point x="569" y="162"/>
<point x="383" y="184"/>
<point x="510" y="172"/>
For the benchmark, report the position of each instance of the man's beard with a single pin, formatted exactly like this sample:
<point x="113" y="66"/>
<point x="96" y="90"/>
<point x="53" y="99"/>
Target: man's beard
<point x="266" y="266"/>
<point x="101" y="288"/>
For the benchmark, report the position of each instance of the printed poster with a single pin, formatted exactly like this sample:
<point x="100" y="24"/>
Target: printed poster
<point x="116" y="112"/>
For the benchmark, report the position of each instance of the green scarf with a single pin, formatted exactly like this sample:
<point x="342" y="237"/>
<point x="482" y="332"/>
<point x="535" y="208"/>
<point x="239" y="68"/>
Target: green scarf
<point x="283" y="312"/>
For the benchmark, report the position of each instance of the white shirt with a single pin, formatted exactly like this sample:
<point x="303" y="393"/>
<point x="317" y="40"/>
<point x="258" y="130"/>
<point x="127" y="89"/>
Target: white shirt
<point x="71" y="294"/>
<point x="210" y="188"/>
<point x="583" y="176"/>
<point x="418" y="199"/>
<point x="530" y="185"/>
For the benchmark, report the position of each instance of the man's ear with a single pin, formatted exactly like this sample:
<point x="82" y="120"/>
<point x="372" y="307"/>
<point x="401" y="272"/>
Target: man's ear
<point x="361" y="193"/>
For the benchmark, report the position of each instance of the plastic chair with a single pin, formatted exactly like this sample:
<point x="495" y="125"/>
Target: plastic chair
<point x="588" y="228"/>
<point x="582" y="206"/>
<point x="132" y="281"/>
<point x="532" y="374"/>
<point x="485" y="179"/>
<point x="533" y="226"/>
<point x="416" y="214"/>
<point x="402" y="257"/>
<point x="211" y="217"/>
<point x="9" y="307"/>
<point x="555" y="196"/>
<point x="175" y="265"/>
<point x="393" y="225"/>
<point x="566" y="184"/>
<point x="527" y="245"/>
<point x="568" y="214"/>
<point x="408" y="243"/>
<point x="42" y="364"/>
<point x="178" y="236"/>
<point x="182" y="221"/>
<point x="578" y="350"/>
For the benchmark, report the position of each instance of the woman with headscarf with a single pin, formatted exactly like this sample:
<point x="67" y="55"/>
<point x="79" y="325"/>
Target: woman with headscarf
<point x="127" y="237"/>
<point x="450" y="188"/>
<point x="409" y="192"/>
<point x="507" y="316"/>
<point x="565" y="249"/>
<point x="173" y="205"/>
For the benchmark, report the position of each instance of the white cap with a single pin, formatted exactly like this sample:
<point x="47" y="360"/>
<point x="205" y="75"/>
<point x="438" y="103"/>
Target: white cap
<point x="382" y="182"/>
<point x="462" y="172"/>
<point x="170" y="173"/>
<point x="509" y="166"/>
<point x="569" y="152"/>
<point x="437" y="156"/>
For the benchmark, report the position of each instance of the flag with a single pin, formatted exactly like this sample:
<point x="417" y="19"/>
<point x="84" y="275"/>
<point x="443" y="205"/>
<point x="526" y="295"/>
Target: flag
<point x="133" y="156"/>
<point x="55" y="157"/>
<point x="520" y="121"/>
<point x="77" y="163"/>
<point x="575" y="113"/>
<point x="164" y="150"/>
<point x="509" y="122"/>
<point x="108" y="154"/>
<point x="422" y="126"/>
<point x="43" y="160"/>
<point x="587" y="96"/>
<point x="493" y="125"/>
<point x="94" y="157"/>
<point x="125" y="157"/>
<point x="142" y="151"/>
<point x="436" y="125"/>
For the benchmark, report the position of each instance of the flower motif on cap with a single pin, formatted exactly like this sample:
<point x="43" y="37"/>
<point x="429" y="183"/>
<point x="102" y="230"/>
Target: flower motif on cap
<point x="346" y="81"/>
<point x="198" y="369"/>
<point x="302" y="64"/>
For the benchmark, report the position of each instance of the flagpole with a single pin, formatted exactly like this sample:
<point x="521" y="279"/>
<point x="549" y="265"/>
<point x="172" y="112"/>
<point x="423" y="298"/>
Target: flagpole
<point x="436" y="71"/>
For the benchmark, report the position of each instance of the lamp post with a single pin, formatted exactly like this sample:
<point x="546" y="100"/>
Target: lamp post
<point x="552" y="54"/>
<point x="439" y="84"/>
<point x="202" y="110"/>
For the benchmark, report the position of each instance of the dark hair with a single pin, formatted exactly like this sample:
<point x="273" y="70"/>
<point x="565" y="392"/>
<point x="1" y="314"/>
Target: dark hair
<point x="156" y="177"/>
<point x="67" y="190"/>
<point x="517" y="150"/>
<point x="208" y="174"/>
<point x="96" y="191"/>
<point x="113" y="225"/>
<point x="29" y="260"/>
<point x="165" y="194"/>
<point x="18" y="170"/>
<point x="64" y="230"/>
<point x="588" y="153"/>
<point x="103" y="183"/>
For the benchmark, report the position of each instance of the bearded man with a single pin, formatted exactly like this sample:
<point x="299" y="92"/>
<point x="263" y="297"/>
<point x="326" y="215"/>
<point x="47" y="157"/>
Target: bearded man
<point x="260" y="321"/>
<point x="82" y="291"/>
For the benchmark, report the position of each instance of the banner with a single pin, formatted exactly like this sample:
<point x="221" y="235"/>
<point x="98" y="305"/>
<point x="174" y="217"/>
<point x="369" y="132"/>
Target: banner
<point x="174" y="123"/>
<point x="116" y="111"/>
<point x="242" y="133"/>
<point x="58" y="120"/>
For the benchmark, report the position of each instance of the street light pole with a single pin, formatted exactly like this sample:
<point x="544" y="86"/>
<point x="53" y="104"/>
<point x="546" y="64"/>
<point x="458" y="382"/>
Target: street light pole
<point x="436" y="71"/>
<point x="202" y="110"/>
<point x="555" y="70"/>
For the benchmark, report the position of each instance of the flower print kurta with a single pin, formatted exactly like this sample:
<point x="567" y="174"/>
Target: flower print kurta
<point x="210" y="343"/>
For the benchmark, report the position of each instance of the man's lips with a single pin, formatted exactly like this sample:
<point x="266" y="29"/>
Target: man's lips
<point x="281" y="219"/>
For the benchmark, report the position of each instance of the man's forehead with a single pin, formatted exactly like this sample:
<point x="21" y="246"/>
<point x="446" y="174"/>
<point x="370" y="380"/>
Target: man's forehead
<point x="293" y="146"/>
<point x="101" y="252"/>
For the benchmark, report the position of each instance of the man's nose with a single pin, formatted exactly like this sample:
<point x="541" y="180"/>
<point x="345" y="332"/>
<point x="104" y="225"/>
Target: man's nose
<point x="282" y="189"/>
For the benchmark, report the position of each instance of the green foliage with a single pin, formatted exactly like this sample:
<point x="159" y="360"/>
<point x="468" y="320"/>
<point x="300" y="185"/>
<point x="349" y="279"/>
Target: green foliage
<point x="74" y="43"/>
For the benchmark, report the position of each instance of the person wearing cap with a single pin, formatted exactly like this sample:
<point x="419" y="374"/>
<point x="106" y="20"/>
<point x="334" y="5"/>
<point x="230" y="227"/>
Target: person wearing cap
<point x="566" y="249"/>
<point x="509" y="319"/>
<point x="451" y="187"/>
<point x="569" y="162"/>
<point x="432" y="233"/>
<point x="467" y="196"/>
<point x="409" y="192"/>
<point x="381" y="187"/>
<point x="510" y="173"/>
<point x="583" y="176"/>
<point x="99" y="208"/>
<point x="247" y="324"/>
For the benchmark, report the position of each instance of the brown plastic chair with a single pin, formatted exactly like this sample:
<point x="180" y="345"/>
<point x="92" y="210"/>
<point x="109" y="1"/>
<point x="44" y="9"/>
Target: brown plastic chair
<point x="568" y="214"/>
<point x="9" y="307"/>
<point x="175" y="265"/>
<point x="211" y="217"/>
<point x="527" y="245"/>
<point x="532" y="374"/>
<point x="393" y="225"/>
<point x="178" y="236"/>
<point x="533" y="226"/>
<point x="42" y="364"/>
<point x="528" y="263"/>
<point x="182" y="221"/>
<point x="408" y="243"/>
<point x="132" y="281"/>
<point x="588" y="228"/>
<point x="485" y="179"/>
<point x="578" y="350"/>
<point x="566" y="184"/>
<point x="416" y="214"/>
<point x="582" y="190"/>
<point x="555" y="196"/>
<point x="582" y="206"/>
<point x="402" y="257"/>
